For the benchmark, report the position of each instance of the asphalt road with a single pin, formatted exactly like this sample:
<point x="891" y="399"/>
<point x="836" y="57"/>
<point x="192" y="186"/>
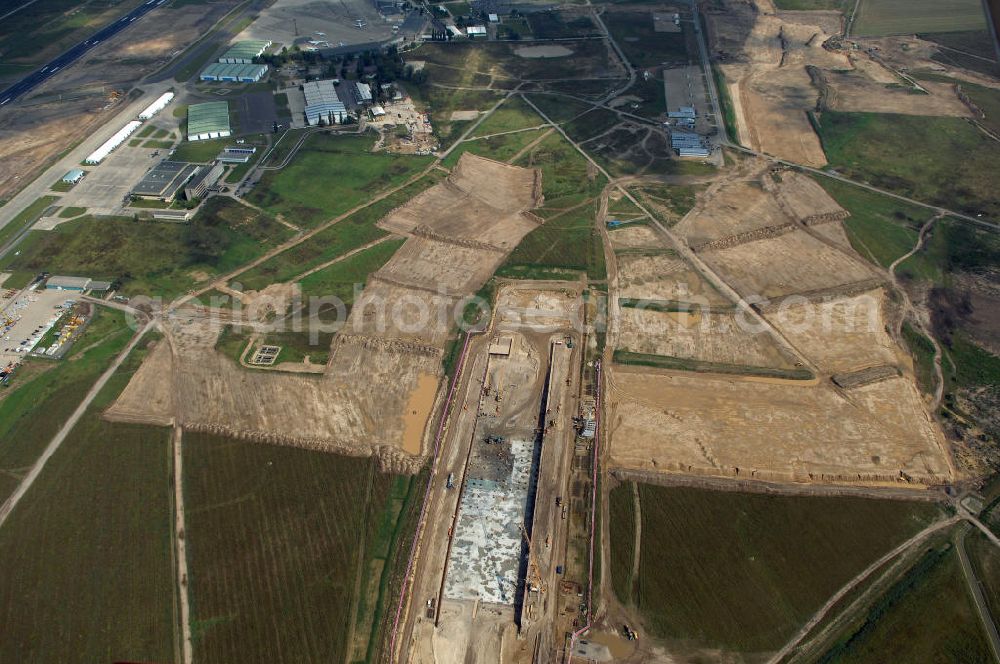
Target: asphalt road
<point x="33" y="80"/>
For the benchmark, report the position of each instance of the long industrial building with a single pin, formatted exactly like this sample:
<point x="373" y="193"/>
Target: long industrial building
<point x="98" y="155"/>
<point x="208" y="120"/>
<point x="233" y="73"/>
<point x="243" y="53"/>
<point x="164" y="180"/>
<point x="156" y="106"/>
<point x="323" y="104"/>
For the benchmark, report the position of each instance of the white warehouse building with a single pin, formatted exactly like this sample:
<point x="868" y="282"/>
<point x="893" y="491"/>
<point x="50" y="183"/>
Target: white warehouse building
<point x="322" y="103"/>
<point x="156" y="106"/>
<point x="98" y="155"/>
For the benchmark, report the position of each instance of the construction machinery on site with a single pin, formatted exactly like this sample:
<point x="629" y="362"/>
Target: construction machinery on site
<point x="533" y="581"/>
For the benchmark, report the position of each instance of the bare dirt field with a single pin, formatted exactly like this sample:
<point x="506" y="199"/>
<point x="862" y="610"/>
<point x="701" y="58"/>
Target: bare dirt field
<point x="705" y="336"/>
<point x="854" y="91"/>
<point x="501" y="185"/>
<point x="732" y="209"/>
<point x="765" y="56"/>
<point x="72" y="104"/>
<point x="767" y="429"/>
<point x="664" y="277"/>
<point x="634" y="237"/>
<point x="441" y="266"/>
<point x="447" y="211"/>
<point x="480" y="204"/>
<point x="803" y="199"/>
<point x="842" y="334"/>
<point x="790" y="263"/>
<point x="398" y="311"/>
<point x="912" y="53"/>
<point x="834" y="232"/>
<point x="381" y="384"/>
<point x="548" y="51"/>
<point x="538" y="307"/>
<point x="186" y="380"/>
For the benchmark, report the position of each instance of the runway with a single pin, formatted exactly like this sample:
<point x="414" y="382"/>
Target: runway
<point x="33" y="80"/>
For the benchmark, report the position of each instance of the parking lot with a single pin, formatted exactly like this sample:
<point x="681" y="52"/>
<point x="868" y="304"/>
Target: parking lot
<point x="32" y="314"/>
<point x="104" y="188"/>
<point x="256" y="112"/>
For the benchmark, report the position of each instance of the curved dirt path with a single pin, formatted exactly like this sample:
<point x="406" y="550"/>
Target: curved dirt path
<point x="908" y="308"/>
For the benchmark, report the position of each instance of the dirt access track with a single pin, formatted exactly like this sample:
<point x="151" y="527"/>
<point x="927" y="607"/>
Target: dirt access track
<point x="383" y="381"/>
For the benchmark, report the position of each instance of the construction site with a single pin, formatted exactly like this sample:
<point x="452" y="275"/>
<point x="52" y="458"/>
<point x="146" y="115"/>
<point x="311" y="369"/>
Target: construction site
<point x="620" y="268"/>
<point x="498" y="552"/>
<point x="830" y="394"/>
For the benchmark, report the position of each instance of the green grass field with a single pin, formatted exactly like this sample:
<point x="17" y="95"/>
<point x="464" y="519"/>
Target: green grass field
<point x="200" y="152"/>
<point x="500" y="148"/>
<point x="749" y="569"/>
<point x="623" y="208"/>
<point x="685" y="364"/>
<point x="643" y="46"/>
<point x="45" y="392"/>
<point x="726" y="104"/>
<point x="942" y="161"/>
<point x="70" y="212"/>
<point x="151" y="258"/>
<point x="25" y="218"/>
<point x="926" y="616"/>
<point x="985" y="560"/>
<point x="568" y="242"/>
<point x="652" y="103"/>
<point x="559" y="109"/>
<point x="350" y="233"/>
<point x="621" y="531"/>
<point x="88" y="574"/>
<point x="899" y="17"/>
<point x="880" y="228"/>
<point x="561" y="245"/>
<point x="589" y="58"/>
<point x="329" y="175"/>
<point x="668" y="202"/>
<point x="440" y="103"/>
<point x="44" y="29"/>
<point x="953" y="247"/>
<point x="339" y="279"/>
<point x="513" y="114"/>
<point x="923" y="357"/>
<point x="560" y="25"/>
<point x="279" y="540"/>
<point x="988" y="101"/>
<point x="966" y="49"/>
<point x="591" y="123"/>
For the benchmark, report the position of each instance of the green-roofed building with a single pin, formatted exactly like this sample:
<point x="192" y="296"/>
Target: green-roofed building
<point x="233" y="73"/>
<point x="243" y="52"/>
<point x="208" y="120"/>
